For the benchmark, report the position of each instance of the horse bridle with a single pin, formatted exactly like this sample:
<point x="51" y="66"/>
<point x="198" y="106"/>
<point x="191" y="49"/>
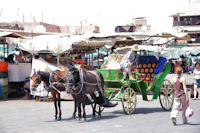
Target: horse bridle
<point x="37" y="80"/>
<point x="69" y="78"/>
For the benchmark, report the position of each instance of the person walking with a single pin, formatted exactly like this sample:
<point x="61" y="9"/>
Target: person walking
<point x="180" y="97"/>
<point x="196" y="79"/>
<point x="128" y="61"/>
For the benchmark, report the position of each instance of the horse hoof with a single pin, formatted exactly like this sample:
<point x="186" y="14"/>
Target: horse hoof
<point x="84" y="119"/>
<point x="73" y="116"/>
<point x="78" y="119"/>
<point x="59" y="118"/>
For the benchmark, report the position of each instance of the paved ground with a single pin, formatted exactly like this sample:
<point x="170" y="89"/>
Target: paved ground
<point x="28" y="116"/>
<point x="189" y="78"/>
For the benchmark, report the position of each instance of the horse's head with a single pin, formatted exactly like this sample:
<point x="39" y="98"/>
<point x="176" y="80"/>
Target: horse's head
<point x="74" y="75"/>
<point x="36" y="79"/>
<point x="73" y="78"/>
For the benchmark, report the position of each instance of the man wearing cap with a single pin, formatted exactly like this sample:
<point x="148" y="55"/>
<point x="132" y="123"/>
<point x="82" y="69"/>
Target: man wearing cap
<point x="127" y="62"/>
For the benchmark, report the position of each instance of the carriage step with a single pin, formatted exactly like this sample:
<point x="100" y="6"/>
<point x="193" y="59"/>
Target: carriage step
<point x="113" y="89"/>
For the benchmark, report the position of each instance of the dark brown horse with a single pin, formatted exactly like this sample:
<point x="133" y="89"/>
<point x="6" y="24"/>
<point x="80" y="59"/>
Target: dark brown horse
<point x="81" y="82"/>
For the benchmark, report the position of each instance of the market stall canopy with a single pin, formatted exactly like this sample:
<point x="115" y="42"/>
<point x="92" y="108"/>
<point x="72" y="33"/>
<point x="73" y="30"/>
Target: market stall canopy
<point x="10" y="34"/>
<point x="169" y="53"/>
<point x="181" y="36"/>
<point x="159" y="40"/>
<point x="120" y="39"/>
<point x="195" y="51"/>
<point x="121" y="35"/>
<point x="166" y="38"/>
<point x="53" y="43"/>
<point x="172" y="53"/>
<point x="91" y="45"/>
<point x="124" y="50"/>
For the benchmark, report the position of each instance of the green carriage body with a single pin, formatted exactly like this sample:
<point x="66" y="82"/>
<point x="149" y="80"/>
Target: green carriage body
<point x="112" y="81"/>
<point x="113" y="77"/>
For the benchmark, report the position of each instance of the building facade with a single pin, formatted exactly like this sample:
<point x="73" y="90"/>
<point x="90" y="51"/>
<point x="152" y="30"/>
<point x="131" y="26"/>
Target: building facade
<point x="138" y="25"/>
<point x="41" y="28"/>
<point x="188" y="22"/>
<point x="141" y="25"/>
<point x="79" y="30"/>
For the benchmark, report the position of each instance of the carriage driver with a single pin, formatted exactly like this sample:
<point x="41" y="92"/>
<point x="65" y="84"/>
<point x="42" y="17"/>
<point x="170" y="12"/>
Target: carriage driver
<point x="128" y="61"/>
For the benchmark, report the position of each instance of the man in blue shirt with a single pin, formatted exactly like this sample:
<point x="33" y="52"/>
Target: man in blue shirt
<point x="127" y="62"/>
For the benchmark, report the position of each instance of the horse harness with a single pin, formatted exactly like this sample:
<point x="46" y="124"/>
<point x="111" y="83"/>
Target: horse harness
<point x="53" y="84"/>
<point x="82" y="82"/>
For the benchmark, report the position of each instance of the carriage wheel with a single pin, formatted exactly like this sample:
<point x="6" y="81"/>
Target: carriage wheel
<point x="129" y="101"/>
<point x="166" y="95"/>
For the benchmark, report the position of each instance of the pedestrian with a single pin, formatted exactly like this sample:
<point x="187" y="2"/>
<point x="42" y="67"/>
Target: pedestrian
<point x="172" y="66"/>
<point x="196" y="79"/>
<point x="27" y="88"/>
<point x="128" y="61"/>
<point x="177" y="64"/>
<point x="181" y="96"/>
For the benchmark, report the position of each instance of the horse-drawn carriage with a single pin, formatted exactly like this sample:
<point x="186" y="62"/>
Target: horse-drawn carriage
<point x="150" y="78"/>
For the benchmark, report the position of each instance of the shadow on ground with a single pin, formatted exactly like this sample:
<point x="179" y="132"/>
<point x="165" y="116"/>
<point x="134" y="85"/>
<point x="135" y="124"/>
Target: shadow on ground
<point x="141" y="111"/>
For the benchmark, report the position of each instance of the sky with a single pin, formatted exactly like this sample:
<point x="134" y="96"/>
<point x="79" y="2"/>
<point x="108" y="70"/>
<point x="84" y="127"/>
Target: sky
<point x="105" y="13"/>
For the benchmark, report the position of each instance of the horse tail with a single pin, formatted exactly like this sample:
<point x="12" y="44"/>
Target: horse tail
<point x="105" y="101"/>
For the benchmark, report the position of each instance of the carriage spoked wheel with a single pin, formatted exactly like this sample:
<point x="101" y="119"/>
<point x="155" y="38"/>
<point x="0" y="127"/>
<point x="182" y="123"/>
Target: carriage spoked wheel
<point x="129" y="101"/>
<point x="166" y="95"/>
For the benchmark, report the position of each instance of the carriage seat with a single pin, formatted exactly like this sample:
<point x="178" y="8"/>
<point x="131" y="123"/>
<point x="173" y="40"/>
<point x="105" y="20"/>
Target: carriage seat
<point x="149" y="65"/>
<point x="161" y="64"/>
<point x="146" y="67"/>
<point x="113" y="62"/>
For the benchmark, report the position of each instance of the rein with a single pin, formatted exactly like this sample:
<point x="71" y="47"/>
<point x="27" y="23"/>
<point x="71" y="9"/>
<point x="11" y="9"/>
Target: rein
<point x="52" y="84"/>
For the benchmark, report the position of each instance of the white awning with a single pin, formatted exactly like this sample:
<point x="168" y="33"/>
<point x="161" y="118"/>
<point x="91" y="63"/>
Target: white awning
<point x="52" y="43"/>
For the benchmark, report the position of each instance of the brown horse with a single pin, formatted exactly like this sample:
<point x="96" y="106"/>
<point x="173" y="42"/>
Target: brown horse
<point x="44" y="76"/>
<point x="56" y="82"/>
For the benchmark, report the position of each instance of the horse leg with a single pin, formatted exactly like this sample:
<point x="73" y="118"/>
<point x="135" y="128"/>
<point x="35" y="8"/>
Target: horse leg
<point x="94" y="107"/>
<point x="79" y="108"/>
<point x="75" y="106"/>
<point x="99" y="114"/>
<point x="59" y="106"/>
<point x="94" y="110"/>
<point x="83" y="105"/>
<point x="55" y="105"/>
